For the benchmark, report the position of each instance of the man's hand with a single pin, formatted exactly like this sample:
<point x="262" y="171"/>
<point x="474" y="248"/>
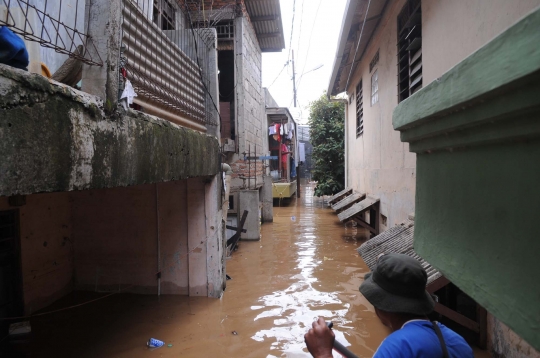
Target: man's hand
<point x="320" y="339"/>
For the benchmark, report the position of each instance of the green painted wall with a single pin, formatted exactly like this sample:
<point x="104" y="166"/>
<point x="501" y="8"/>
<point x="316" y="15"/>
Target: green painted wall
<point x="477" y="215"/>
<point x="476" y="132"/>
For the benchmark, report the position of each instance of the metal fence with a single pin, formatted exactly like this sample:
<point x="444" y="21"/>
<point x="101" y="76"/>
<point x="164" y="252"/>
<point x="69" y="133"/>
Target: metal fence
<point x="56" y="24"/>
<point x="167" y="59"/>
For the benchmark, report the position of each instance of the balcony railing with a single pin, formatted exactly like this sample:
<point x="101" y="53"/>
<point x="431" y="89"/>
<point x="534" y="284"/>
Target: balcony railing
<point x="166" y="61"/>
<point x="56" y="24"/>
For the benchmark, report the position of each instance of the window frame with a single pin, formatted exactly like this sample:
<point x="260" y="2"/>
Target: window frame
<point x="375" y="87"/>
<point x="359" y="109"/>
<point x="164" y="13"/>
<point x="409" y="50"/>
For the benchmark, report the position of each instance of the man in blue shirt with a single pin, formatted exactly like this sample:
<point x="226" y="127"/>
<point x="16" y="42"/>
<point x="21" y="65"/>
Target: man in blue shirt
<point x="397" y="290"/>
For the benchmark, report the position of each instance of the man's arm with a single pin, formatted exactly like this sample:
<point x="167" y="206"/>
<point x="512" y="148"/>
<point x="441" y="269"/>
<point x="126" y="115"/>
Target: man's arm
<point x="320" y="339"/>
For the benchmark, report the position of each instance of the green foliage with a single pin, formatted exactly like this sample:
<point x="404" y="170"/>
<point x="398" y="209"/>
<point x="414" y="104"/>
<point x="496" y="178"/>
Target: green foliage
<point x="327" y="131"/>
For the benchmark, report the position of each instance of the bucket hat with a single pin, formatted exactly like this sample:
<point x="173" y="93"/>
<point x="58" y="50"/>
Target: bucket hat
<point x="398" y="284"/>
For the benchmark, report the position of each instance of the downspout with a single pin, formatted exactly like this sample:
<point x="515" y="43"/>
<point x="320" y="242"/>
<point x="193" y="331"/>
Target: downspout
<point x="346" y="102"/>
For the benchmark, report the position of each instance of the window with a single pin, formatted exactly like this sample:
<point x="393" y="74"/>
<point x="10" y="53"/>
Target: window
<point x="225" y="30"/>
<point x="359" y="110"/>
<point x="375" y="87"/>
<point x="374" y="62"/>
<point x="164" y="14"/>
<point x="409" y="49"/>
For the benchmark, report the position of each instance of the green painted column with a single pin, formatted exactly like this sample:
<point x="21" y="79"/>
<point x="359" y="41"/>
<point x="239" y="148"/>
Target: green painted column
<point x="476" y="132"/>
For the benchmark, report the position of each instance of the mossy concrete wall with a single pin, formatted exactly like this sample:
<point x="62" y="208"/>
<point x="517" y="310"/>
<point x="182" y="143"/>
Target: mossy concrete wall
<point x="476" y="133"/>
<point x="54" y="138"/>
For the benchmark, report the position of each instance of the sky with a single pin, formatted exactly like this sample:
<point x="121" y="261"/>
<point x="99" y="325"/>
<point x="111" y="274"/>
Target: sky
<point x="316" y="28"/>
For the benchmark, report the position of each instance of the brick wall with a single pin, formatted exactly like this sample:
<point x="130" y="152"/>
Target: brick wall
<point x="241" y="169"/>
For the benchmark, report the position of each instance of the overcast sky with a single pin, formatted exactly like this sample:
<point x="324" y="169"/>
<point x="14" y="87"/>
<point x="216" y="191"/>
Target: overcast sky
<point x="315" y="35"/>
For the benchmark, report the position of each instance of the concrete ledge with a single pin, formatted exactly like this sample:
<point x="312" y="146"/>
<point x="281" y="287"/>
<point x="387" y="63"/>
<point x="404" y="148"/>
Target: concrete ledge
<point x="55" y="138"/>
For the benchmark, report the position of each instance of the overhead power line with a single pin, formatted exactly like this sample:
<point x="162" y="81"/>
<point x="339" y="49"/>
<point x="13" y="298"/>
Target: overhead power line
<point x="292" y="29"/>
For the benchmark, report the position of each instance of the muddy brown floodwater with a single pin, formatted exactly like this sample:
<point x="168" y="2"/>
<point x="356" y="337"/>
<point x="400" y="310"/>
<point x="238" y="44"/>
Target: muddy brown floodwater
<point x="305" y="266"/>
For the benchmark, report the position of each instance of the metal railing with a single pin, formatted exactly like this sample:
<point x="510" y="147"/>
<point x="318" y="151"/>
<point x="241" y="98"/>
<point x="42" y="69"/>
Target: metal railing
<point x="166" y="60"/>
<point x="56" y="24"/>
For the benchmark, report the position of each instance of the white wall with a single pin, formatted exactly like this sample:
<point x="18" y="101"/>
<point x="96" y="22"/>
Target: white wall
<point x="378" y="162"/>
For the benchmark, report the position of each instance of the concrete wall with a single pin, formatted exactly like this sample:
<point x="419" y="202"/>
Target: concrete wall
<point x="119" y="232"/>
<point x="107" y="240"/>
<point x="378" y="162"/>
<point x="46" y="248"/>
<point x="465" y="26"/>
<point x="250" y="111"/>
<point x="505" y="343"/>
<point x="116" y="239"/>
<point x="65" y="141"/>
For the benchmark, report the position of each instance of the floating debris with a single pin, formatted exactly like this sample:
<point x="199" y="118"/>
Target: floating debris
<point x="235" y="333"/>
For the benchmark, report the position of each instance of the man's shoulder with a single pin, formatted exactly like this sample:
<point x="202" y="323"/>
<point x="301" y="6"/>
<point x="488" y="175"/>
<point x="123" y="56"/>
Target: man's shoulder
<point x="418" y="339"/>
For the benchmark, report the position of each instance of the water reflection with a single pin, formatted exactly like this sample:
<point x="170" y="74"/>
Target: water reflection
<point x="305" y="266"/>
<point x="323" y="281"/>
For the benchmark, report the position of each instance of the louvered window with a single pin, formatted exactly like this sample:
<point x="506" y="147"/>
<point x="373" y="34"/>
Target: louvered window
<point x="409" y="49"/>
<point x="359" y="110"/>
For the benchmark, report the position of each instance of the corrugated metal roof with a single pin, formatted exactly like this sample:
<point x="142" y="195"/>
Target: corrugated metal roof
<point x="265" y="15"/>
<point x="398" y="239"/>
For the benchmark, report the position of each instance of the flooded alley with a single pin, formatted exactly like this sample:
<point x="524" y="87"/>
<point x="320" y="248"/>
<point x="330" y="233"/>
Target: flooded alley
<point x="305" y="266"/>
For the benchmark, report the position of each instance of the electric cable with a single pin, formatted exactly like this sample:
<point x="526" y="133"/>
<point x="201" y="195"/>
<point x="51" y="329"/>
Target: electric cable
<point x="292" y="30"/>
<point x="300" y="31"/>
<point x="279" y="74"/>
<point x="309" y="44"/>
<point x="357" y="45"/>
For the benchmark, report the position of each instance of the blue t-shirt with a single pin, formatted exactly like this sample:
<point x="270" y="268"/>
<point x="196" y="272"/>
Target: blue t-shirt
<point x="418" y="339"/>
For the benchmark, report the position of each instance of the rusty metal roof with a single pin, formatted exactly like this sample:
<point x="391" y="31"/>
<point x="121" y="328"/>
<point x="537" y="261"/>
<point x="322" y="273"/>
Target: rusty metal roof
<point x="398" y="239"/>
<point x="265" y="15"/>
<point x="356" y="11"/>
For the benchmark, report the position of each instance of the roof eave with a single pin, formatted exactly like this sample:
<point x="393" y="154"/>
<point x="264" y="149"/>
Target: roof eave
<point x="343" y="35"/>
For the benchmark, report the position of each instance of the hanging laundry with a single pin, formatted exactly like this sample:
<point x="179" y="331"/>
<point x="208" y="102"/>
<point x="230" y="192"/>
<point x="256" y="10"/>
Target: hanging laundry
<point x="277" y="135"/>
<point x="280" y="129"/>
<point x="128" y="94"/>
<point x="272" y="130"/>
<point x="286" y="128"/>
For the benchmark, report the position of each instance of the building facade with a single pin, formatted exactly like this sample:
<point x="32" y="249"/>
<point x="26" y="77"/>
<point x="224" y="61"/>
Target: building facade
<point x="100" y="189"/>
<point x="387" y="52"/>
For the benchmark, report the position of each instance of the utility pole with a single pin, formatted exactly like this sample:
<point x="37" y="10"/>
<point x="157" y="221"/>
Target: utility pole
<point x="293" y="79"/>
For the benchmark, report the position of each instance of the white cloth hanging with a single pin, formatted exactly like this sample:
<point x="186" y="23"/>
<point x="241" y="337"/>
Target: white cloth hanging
<point x="272" y="130"/>
<point x="128" y="94"/>
<point x="302" y="152"/>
